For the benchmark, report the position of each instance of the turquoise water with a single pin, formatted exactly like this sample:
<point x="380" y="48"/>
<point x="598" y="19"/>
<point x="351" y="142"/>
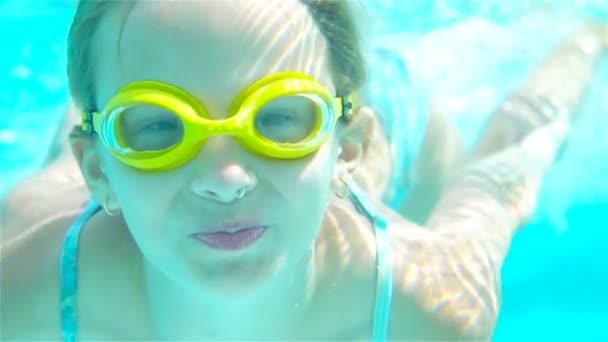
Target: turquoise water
<point x="463" y="56"/>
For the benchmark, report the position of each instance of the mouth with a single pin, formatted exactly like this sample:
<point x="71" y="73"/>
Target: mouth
<point x="231" y="237"/>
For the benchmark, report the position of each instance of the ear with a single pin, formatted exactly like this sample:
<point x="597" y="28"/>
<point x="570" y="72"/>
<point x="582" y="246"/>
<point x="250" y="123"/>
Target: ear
<point x="354" y="138"/>
<point x="84" y="150"/>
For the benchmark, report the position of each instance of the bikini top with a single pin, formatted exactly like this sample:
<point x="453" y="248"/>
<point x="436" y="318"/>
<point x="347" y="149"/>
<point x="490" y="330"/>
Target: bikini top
<point x="69" y="268"/>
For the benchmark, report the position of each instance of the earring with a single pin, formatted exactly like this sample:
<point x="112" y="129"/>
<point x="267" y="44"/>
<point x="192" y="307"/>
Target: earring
<point x="106" y="207"/>
<point x="342" y="188"/>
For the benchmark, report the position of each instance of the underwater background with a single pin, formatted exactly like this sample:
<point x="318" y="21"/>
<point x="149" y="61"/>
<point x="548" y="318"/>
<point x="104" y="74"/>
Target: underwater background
<point x="462" y="56"/>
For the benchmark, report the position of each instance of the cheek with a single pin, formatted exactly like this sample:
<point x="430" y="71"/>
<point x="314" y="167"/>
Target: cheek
<point x="312" y="174"/>
<point x="144" y="198"/>
<point x="305" y="186"/>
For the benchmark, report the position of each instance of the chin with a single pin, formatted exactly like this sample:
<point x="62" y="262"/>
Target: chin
<point x="236" y="279"/>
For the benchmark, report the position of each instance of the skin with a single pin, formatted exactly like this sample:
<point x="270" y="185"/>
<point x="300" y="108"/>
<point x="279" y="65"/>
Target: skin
<point x="303" y="277"/>
<point x="174" y="262"/>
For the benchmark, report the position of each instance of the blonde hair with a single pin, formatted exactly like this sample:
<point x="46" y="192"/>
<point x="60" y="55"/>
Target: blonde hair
<point x="334" y="18"/>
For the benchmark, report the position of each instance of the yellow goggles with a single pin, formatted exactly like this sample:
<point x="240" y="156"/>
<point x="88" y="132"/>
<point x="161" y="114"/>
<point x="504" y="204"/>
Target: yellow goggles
<point x="154" y="126"/>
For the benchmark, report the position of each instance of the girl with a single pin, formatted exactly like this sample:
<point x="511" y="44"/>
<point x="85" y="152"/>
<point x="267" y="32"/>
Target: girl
<point x="221" y="139"/>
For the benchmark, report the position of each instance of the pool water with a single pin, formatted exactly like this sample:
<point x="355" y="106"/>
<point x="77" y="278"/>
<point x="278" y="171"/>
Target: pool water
<point x="462" y="55"/>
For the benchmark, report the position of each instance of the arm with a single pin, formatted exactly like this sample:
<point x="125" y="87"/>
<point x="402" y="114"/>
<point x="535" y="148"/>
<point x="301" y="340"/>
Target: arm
<point x="451" y="269"/>
<point x="554" y="89"/>
<point x="453" y="266"/>
<point x="43" y="195"/>
<point x="441" y="151"/>
<point x="60" y="148"/>
<point x="42" y="198"/>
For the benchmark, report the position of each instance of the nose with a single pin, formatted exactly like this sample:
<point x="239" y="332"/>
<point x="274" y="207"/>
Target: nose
<point x="219" y="178"/>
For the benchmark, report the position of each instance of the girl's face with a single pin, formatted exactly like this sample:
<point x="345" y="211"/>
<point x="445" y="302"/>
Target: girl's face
<point x="213" y="50"/>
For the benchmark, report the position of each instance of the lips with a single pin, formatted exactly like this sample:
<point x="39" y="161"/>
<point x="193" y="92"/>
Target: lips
<point x="229" y="227"/>
<point x="230" y="236"/>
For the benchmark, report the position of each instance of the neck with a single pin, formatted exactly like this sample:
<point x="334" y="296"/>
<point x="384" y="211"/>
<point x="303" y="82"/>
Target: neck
<point x="279" y="307"/>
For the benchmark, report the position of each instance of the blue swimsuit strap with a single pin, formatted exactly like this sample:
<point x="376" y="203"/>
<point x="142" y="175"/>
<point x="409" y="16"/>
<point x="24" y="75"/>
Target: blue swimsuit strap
<point x="69" y="264"/>
<point x="384" y="263"/>
<point x="68" y="269"/>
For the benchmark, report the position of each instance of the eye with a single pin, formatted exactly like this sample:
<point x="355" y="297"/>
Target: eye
<point x="162" y="126"/>
<point x="287" y="119"/>
<point x="149" y="128"/>
<point x="275" y="119"/>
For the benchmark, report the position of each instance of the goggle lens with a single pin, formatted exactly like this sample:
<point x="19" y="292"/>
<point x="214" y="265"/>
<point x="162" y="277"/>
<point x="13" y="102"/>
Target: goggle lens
<point x="287" y="119"/>
<point x="284" y="120"/>
<point x="148" y="128"/>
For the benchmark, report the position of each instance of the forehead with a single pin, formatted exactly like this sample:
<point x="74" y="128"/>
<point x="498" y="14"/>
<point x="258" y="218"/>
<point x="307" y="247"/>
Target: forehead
<point x="212" y="49"/>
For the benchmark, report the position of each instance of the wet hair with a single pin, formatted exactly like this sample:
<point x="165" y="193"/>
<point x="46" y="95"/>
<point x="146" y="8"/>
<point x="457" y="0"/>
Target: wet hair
<point x="335" y="19"/>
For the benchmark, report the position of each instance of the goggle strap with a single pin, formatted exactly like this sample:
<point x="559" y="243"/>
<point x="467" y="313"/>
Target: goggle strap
<point x="86" y="119"/>
<point x="90" y="121"/>
<point x="347" y="106"/>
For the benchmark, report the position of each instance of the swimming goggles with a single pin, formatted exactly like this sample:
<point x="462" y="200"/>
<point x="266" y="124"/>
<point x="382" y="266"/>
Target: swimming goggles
<point x="155" y="126"/>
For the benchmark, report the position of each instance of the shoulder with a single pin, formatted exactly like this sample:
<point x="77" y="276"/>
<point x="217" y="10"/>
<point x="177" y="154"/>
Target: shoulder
<point x="29" y="276"/>
<point x="44" y="196"/>
<point x="442" y="287"/>
<point x="36" y="215"/>
<point x="416" y="273"/>
<point x="439" y="290"/>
